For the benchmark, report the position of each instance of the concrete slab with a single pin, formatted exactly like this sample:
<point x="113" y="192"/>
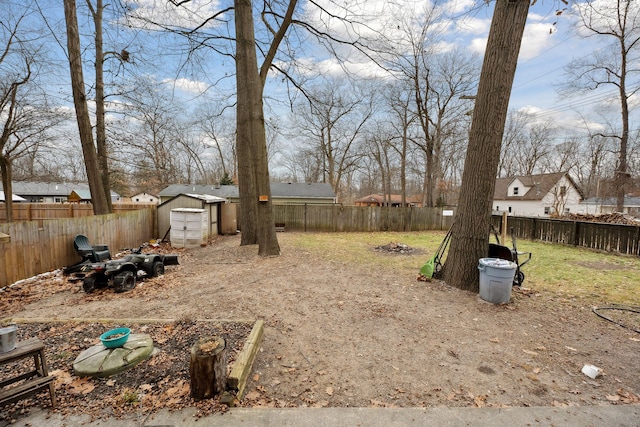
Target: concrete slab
<point x="581" y="416"/>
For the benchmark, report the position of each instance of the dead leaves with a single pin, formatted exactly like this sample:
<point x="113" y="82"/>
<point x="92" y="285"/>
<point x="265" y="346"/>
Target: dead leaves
<point x="623" y="396"/>
<point x="377" y="403"/>
<point x="82" y="385"/>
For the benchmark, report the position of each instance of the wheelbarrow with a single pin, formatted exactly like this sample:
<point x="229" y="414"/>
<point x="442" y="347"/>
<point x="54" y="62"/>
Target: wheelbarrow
<point x="496" y="250"/>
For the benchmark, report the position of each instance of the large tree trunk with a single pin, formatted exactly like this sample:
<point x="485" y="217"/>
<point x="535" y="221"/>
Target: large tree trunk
<point x="250" y="120"/>
<point x="98" y="197"/>
<point x="622" y="174"/>
<point x="101" y="133"/>
<point x="256" y="212"/>
<point x="5" y="171"/>
<point x="470" y="230"/>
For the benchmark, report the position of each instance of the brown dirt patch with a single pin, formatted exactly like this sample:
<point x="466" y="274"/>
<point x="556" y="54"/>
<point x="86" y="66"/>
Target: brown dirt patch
<point x="340" y="333"/>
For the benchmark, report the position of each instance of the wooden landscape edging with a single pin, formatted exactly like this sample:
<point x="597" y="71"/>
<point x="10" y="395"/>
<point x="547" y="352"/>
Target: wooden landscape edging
<point x="237" y="380"/>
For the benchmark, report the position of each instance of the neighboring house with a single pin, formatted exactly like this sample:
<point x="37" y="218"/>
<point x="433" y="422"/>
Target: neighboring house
<point x="79" y="196"/>
<point x="598" y="205"/>
<point x="537" y="195"/>
<point x="393" y="200"/>
<point x="281" y="193"/>
<point x="45" y="192"/>
<point x="145" y="198"/>
<point x="14" y="198"/>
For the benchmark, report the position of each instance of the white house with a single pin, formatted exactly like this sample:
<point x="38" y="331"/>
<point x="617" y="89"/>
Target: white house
<point x="598" y="205"/>
<point x="538" y="195"/>
<point x="145" y="198"/>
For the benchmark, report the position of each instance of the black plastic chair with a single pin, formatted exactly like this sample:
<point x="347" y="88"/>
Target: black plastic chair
<point x="88" y="252"/>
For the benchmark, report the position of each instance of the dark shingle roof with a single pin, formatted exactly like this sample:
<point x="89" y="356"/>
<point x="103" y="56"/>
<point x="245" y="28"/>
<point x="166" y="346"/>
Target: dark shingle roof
<point x="540" y="185"/>
<point x="278" y="189"/>
<point x="42" y="189"/>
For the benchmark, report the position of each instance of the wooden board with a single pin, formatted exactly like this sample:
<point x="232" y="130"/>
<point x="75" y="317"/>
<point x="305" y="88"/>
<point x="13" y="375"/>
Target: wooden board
<point x="242" y="367"/>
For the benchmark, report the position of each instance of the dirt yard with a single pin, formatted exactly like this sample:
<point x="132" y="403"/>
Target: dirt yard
<point x="361" y="335"/>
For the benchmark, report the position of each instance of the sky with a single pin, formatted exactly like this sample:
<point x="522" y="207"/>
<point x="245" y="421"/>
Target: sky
<point x="550" y="42"/>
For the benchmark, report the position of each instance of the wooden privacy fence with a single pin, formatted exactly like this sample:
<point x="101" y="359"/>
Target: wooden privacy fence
<point x="37" y="211"/>
<point x="624" y="239"/>
<point x="361" y="218"/>
<point x="45" y="245"/>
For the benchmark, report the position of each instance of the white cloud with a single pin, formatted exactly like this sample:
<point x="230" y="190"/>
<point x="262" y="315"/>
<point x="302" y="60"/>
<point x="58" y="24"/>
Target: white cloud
<point x="311" y="67"/>
<point x="188" y="86"/>
<point x="189" y="14"/>
<point x="458" y="6"/>
<point x="563" y="119"/>
<point x="535" y="40"/>
<point x="473" y="26"/>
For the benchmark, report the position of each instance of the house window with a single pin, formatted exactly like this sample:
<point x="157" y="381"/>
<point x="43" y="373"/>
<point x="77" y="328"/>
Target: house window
<point x="547" y="210"/>
<point x="563" y="191"/>
<point x="509" y="209"/>
<point x="516" y="190"/>
<point x="497" y="208"/>
<point x="137" y="200"/>
<point x="566" y="210"/>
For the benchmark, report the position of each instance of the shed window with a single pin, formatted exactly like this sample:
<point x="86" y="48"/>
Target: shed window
<point x="509" y="209"/>
<point x="547" y="210"/>
<point x="516" y="190"/>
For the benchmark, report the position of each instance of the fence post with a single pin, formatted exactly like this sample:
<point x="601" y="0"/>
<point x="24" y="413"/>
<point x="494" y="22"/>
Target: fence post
<point x="576" y="233"/>
<point x="534" y="226"/>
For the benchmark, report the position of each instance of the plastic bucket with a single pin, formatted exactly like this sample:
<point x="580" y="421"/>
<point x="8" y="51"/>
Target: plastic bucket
<point x="496" y="279"/>
<point x="8" y="338"/>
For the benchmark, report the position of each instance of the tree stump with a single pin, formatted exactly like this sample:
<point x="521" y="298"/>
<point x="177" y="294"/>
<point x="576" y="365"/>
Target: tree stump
<point x="208" y="367"/>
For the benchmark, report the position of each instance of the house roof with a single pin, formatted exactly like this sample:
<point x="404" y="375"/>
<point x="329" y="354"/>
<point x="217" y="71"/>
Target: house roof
<point x="379" y="198"/>
<point x="540" y="186"/>
<point x="278" y="189"/>
<point x="14" y="198"/>
<point x="43" y="189"/>
<point x="144" y="194"/>
<point x="611" y="201"/>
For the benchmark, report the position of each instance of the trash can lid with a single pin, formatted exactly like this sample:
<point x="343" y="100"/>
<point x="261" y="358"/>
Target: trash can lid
<point x="498" y="263"/>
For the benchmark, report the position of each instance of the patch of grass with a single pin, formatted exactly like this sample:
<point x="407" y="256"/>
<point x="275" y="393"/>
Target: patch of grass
<point x="358" y="248"/>
<point x="129" y="397"/>
<point x="598" y="278"/>
<point x="62" y="355"/>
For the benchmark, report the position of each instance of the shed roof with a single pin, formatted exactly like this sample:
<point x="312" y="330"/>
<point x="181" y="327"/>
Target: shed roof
<point x="202" y="197"/>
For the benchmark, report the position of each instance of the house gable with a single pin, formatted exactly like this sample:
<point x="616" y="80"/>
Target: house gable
<point x="517" y="188"/>
<point x="537" y="195"/>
